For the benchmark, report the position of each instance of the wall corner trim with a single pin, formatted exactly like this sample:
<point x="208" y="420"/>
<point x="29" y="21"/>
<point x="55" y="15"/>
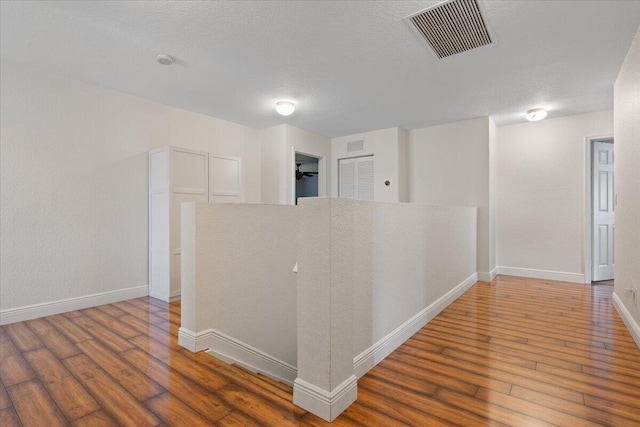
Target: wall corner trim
<point x="34" y="311"/>
<point x="629" y="321"/>
<point x="487" y="277"/>
<point x="231" y="350"/>
<point x="326" y="405"/>
<point x="533" y="273"/>
<point x="369" y="358"/>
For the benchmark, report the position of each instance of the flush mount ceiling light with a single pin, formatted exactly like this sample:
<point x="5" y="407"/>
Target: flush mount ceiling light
<point x="164" y="59"/>
<point x="536" y="114"/>
<point x="285" y="108"/>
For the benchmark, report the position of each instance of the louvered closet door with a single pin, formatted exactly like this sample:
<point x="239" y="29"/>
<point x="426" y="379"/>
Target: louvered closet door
<point x="356" y="178"/>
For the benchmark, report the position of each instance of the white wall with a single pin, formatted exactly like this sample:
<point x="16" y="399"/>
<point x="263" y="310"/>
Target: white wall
<point x="627" y="188"/>
<point x="273" y="146"/>
<point x="238" y="281"/>
<point x="74" y="218"/>
<point x="388" y="146"/>
<point x="370" y="275"/>
<point x="278" y="145"/>
<point x="449" y="165"/>
<point x="406" y="257"/>
<point x="540" y="192"/>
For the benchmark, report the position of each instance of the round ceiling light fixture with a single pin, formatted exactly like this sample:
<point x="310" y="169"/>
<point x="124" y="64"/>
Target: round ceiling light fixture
<point x="536" y="114"/>
<point x="285" y="108"/>
<point x="164" y="59"/>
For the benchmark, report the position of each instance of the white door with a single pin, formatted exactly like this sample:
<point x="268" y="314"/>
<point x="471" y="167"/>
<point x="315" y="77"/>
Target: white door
<point x="603" y="225"/>
<point x="355" y="178"/>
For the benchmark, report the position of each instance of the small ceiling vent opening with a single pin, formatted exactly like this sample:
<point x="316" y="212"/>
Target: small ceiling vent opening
<point x="452" y="27"/>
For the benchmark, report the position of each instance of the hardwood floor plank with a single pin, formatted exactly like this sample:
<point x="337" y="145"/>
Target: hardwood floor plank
<point x="580" y="411"/>
<point x="533" y="409"/>
<point x="513" y="352"/>
<point x="115" y="400"/>
<point x="489" y="410"/>
<point x="95" y="419"/>
<point x="249" y="381"/>
<point x="454" y="369"/>
<point x="13" y="368"/>
<point x="237" y="419"/>
<point x="101" y="333"/>
<point x="33" y="405"/>
<point x="420" y="402"/>
<point x="265" y="412"/>
<point x="174" y="411"/>
<point x="613" y="407"/>
<point x="112" y="323"/>
<point x="9" y="418"/>
<point x="72" y="399"/>
<point x="520" y="351"/>
<point x="587" y="383"/>
<point x="366" y="416"/>
<point x="111" y="310"/>
<point x="157" y="349"/>
<point x="414" y="384"/>
<point x="147" y="306"/>
<point x="196" y="396"/>
<point x="5" y="402"/>
<point x="53" y="339"/>
<point x="401" y="411"/>
<point x="73" y="332"/>
<point x="23" y="338"/>
<point x="144" y="315"/>
<point x="135" y="382"/>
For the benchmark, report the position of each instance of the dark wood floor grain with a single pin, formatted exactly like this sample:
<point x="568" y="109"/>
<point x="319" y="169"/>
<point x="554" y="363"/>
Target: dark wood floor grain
<point x="517" y="352"/>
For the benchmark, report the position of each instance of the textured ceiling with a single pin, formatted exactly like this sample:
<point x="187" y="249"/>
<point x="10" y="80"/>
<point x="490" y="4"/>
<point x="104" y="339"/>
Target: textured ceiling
<point x="350" y="66"/>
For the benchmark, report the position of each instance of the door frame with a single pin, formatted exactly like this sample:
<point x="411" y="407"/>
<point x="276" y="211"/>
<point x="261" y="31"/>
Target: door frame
<point x="322" y="175"/>
<point x="587" y="247"/>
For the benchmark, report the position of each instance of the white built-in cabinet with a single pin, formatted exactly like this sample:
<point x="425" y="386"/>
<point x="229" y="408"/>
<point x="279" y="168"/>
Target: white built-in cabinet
<point x="178" y="175"/>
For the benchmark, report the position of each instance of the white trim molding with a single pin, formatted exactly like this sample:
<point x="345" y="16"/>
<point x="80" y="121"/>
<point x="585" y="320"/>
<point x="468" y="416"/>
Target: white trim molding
<point x="487" y="277"/>
<point x="326" y="405"/>
<point x="194" y="341"/>
<point x="34" y="311"/>
<point x="542" y="274"/>
<point x="369" y="358"/>
<point x="627" y="318"/>
<point x="231" y="350"/>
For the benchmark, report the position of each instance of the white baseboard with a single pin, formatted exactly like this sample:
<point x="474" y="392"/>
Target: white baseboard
<point x="165" y="298"/>
<point x="28" y="312"/>
<point x="231" y="350"/>
<point x="369" y="358"/>
<point x="542" y="274"/>
<point x="326" y="405"/>
<point x="628" y="320"/>
<point x="483" y="276"/>
<point x="193" y="341"/>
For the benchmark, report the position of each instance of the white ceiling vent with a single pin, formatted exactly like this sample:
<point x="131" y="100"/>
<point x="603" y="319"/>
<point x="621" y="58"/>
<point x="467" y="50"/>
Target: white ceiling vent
<point x="355" y="146"/>
<point x="452" y="27"/>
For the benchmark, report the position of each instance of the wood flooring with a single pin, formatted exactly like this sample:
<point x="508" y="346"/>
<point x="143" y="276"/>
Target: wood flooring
<point x="517" y="352"/>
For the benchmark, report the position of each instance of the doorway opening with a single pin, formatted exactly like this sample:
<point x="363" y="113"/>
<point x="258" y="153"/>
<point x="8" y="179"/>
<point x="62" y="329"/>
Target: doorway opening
<point x="306" y="176"/>
<point x="603" y="202"/>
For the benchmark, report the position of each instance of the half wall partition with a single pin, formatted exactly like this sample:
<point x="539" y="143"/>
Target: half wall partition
<point x="369" y="275"/>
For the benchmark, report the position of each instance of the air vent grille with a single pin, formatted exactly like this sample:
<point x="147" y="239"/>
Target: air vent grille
<point x="453" y="27"/>
<point x="355" y="146"/>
